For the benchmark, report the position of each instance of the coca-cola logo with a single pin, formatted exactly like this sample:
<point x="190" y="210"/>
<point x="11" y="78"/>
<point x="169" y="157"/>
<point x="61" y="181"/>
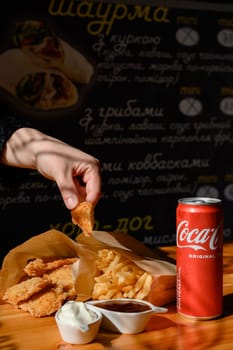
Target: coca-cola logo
<point x="197" y="239"/>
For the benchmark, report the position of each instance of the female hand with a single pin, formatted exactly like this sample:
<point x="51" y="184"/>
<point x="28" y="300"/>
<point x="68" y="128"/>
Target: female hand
<point x="76" y="173"/>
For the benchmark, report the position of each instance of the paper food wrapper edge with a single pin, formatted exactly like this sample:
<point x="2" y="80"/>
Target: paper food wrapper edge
<point x="149" y="260"/>
<point x="51" y="243"/>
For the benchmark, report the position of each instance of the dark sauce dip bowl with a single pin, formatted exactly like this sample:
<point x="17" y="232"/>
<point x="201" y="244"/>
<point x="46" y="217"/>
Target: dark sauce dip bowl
<point x="128" y="316"/>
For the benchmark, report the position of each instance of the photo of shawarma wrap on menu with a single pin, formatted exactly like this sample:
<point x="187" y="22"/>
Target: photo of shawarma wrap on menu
<point x="42" y="70"/>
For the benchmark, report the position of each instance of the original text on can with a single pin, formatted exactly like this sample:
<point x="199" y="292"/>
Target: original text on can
<point x="199" y="241"/>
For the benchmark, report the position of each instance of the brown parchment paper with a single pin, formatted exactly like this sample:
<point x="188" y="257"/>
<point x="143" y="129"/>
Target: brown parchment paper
<point x="51" y="243"/>
<point x="56" y="244"/>
<point x="153" y="261"/>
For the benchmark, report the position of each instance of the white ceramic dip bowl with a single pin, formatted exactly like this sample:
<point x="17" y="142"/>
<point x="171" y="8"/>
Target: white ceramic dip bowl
<point x="129" y="316"/>
<point x="78" y="323"/>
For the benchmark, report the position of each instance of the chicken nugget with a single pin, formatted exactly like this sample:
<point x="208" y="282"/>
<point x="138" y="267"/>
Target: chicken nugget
<point x="25" y="289"/>
<point x="44" y="303"/>
<point x="62" y="278"/>
<point x="83" y="216"/>
<point x="39" y="266"/>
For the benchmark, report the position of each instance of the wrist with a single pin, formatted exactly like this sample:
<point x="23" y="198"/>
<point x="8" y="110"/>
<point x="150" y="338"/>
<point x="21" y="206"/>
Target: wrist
<point x="22" y="147"/>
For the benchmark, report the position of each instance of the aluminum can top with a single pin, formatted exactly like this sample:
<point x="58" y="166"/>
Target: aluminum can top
<point x="200" y="201"/>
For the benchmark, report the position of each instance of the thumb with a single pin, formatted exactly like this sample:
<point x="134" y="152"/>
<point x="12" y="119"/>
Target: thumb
<point x="70" y="200"/>
<point x="70" y="192"/>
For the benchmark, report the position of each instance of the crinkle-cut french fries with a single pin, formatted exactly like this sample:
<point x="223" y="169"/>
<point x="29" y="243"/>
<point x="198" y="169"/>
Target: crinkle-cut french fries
<point x="118" y="277"/>
<point x="83" y="216"/>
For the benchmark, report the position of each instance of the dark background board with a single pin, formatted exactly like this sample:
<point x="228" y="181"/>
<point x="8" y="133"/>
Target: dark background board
<point x="157" y="113"/>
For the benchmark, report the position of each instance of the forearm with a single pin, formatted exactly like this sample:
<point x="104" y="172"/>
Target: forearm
<point x="76" y="173"/>
<point x="23" y="146"/>
<point x="8" y="125"/>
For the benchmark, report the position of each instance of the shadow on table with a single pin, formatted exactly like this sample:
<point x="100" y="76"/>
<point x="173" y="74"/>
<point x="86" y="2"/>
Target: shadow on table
<point x="228" y="304"/>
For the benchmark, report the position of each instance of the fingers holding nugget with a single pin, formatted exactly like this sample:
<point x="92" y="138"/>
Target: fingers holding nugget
<point x="83" y="216"/>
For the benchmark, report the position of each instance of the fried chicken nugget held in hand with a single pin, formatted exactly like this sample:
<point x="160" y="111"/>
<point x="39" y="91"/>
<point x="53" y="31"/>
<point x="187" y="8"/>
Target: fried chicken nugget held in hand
<point x="83" y="216"/>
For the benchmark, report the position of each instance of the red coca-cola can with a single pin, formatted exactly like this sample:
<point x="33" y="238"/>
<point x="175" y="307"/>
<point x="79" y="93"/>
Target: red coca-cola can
<point x="199" y="241"/>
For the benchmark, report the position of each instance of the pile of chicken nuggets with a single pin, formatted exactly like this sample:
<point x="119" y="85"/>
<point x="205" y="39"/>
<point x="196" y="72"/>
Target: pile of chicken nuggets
<point x="46" y="286"/>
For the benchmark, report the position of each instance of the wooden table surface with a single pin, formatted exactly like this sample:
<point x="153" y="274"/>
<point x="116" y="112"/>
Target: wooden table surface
<point x="20" y="331"/>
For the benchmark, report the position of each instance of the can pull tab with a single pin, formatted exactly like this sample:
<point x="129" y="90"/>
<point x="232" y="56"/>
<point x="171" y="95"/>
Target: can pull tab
<point x="199" y="201"/>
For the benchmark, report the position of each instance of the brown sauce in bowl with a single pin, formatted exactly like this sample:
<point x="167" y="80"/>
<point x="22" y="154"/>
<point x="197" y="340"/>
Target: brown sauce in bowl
<point x="123" y="306"/>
